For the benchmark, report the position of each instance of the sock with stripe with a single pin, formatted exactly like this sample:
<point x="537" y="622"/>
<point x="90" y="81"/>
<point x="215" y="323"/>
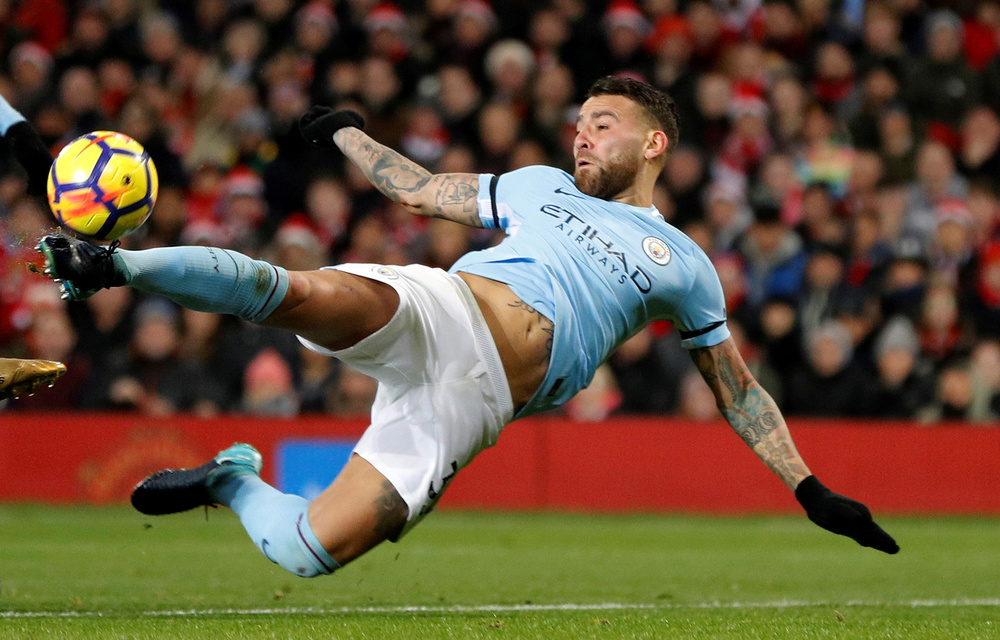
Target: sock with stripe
<point x="207" y="279"/>
<point x="278" y="523"/>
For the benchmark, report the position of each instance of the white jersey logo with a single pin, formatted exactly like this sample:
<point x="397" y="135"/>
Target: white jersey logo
<point x="657" y="250"/>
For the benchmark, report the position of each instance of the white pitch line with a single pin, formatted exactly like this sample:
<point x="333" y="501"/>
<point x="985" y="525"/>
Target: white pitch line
<point x="503" y="608"/>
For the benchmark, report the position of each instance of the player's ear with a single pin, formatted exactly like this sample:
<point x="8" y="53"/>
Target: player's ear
<point x="656" y="145"/>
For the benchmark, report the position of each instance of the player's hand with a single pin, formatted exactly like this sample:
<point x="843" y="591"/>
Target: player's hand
<point x="842" y="515"/>
<point x="320" y="123"/>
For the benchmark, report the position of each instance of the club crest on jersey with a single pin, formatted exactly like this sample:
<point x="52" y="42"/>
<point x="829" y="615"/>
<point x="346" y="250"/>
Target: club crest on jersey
<point x="387" y="273"/>
<point x="657" y="250"/>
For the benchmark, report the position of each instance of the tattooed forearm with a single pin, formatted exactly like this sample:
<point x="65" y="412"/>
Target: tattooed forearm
<point x="545" y="325"/>
<point x="391" y="173"/>
<point x="450" y="196"/>
<point x="455" y="198"/>
<point x="750" y="410"/>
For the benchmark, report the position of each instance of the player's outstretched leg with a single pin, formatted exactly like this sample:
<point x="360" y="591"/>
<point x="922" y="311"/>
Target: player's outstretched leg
<point x="358" y="511"/>
<point x="329" y="307"/>
<point x="19" y="377"/>
<point x="200" y="278"/>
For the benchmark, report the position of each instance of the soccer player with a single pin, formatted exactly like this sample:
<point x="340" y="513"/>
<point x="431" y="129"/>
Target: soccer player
<point x="20" y="376"/>
<point x="505" y="333"/>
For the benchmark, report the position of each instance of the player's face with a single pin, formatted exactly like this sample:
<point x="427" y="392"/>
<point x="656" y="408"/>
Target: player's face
<point x="608" y="149"/>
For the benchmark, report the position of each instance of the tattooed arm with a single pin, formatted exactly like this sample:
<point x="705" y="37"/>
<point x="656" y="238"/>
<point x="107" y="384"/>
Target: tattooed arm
<point x="754" y="416"/>
<point x="451" y="196"/>
<point x="750" y="410"/>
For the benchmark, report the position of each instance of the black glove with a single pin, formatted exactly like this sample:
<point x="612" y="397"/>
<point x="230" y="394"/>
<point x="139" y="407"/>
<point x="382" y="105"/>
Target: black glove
<point x="320" y="123"/>
<point x="842" y="515"/>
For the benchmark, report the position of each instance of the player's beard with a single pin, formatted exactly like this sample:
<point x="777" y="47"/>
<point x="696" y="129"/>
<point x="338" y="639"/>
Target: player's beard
<point x="614" y="177"/>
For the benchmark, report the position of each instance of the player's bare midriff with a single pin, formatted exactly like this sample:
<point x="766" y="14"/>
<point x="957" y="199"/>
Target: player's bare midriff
<point x="523" y="336"/>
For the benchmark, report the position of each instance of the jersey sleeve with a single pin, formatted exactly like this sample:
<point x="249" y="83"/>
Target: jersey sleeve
<point x="499" y="194"/>
<point x="487" y="201"/>
<point x="701" y="317"/>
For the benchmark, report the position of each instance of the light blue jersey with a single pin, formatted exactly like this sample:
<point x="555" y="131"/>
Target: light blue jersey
<point x="599" y="270"/>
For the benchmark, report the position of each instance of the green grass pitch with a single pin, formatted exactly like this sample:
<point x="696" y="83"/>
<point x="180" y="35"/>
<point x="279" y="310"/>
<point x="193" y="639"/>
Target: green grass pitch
<point x="111" y="573"/>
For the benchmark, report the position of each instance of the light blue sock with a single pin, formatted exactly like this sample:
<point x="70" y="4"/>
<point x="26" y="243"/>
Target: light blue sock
<point x="278" y="523"/>
<point x="9" y="116"/>
<point x="207" y="279"/>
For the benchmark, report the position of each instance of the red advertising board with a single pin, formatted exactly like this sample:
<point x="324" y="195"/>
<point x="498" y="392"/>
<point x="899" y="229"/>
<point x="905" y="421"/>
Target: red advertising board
<point x="626" y="464"/>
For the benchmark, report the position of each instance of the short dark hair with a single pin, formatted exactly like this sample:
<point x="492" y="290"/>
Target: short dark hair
<point x="656" y="103"/>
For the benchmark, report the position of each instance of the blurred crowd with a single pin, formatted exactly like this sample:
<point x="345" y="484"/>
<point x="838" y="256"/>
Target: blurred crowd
<point x="838" y="159"/>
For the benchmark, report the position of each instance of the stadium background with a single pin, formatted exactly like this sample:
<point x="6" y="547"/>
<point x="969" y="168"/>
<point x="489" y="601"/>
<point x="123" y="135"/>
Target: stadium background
<point x="838" y="160"/>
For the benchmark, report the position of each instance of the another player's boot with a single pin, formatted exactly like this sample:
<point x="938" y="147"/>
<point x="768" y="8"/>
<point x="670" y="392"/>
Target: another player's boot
<point x="81" y="267"/>
<point x="173" y="491"/>
<point x="19" y="377"/>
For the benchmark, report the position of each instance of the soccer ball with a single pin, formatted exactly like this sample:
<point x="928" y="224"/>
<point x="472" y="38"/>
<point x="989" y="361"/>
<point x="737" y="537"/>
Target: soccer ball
<point x="102" y="185"/>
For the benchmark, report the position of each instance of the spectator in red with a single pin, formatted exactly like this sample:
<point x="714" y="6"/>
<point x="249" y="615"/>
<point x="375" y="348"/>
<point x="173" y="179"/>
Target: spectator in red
<point x="984" y="302"/>
<point x="834" y="82"/>
<point x="389" y="38"/>
<point x="944" y="334"/>
<point x="625" y="31"/>
<point x="750" y="141"/>
<point x="242" y="208"/>
<point x="984" y="206"/>
<point x="951" y="248"/>
<point x="268" y="387"/>
<point x="981" y="44"/>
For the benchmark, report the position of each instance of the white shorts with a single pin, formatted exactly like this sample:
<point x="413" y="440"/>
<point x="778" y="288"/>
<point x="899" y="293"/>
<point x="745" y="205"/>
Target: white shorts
<point x="442" y="395"/>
